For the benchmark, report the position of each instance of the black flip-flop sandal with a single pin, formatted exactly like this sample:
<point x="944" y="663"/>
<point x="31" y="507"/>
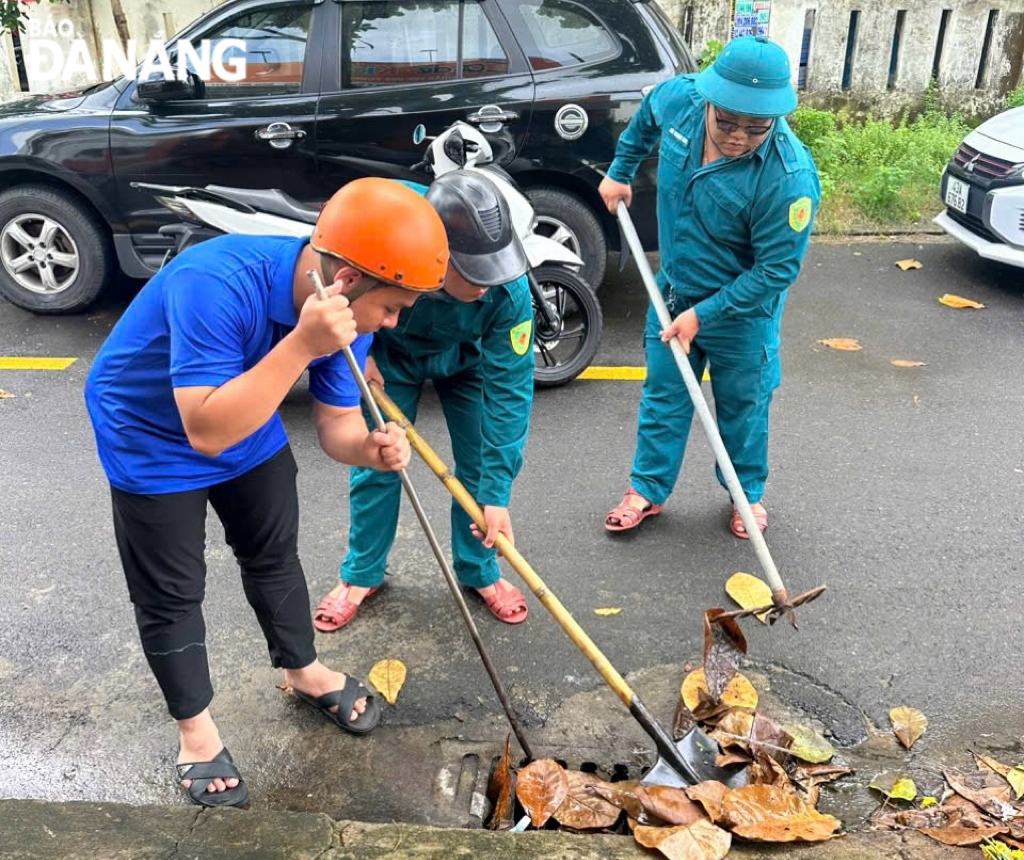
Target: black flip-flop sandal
<point x="345" y="700"/>
<point x="202" y="773"/>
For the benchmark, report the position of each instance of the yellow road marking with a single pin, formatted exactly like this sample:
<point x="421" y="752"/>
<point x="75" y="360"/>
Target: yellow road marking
<point x="628" y="373"/>
<point x="17" y="363"/>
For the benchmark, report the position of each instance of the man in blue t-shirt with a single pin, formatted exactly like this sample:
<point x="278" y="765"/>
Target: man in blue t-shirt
<point x="183" y="398"/>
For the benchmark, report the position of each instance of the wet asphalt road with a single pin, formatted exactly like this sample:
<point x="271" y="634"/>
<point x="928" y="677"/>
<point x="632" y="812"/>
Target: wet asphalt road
<point x="898" y="488"/>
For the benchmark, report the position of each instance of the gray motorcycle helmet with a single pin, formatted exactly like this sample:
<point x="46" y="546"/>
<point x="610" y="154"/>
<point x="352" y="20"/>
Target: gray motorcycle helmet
<point x="483" y="244"/>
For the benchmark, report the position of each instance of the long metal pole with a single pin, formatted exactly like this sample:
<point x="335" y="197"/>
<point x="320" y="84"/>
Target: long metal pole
<point x="453" y="585"/>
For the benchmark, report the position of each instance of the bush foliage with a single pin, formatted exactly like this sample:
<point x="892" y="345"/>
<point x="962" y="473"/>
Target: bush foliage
<point x="878" y="173"/>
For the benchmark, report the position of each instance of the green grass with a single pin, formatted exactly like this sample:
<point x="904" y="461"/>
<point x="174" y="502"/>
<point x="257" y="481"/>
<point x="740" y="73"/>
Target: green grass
<point x="878" y="175"/>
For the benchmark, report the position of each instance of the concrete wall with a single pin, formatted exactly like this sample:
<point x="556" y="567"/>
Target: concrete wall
<point x="868" y="88"/>
<point x="869" y="74"/>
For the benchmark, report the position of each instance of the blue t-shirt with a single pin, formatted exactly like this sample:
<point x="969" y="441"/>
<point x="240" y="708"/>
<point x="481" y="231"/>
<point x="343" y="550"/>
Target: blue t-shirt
<point x="210" y="315"/>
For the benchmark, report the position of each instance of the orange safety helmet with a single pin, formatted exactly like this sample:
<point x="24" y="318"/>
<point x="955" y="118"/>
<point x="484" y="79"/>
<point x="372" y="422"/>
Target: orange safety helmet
<point x="388" y="231"/>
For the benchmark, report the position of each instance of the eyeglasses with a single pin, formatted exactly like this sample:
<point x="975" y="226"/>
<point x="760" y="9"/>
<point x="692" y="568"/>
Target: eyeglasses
<point x="728" y="127"/>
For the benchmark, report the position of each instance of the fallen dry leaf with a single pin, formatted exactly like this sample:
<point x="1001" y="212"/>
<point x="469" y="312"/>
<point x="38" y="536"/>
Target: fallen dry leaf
<point x="808" y="745"/>
<point x="894" y="785"/>
<point x="671" y="805"/>
<point x="906" y="362"/>
<point x="986" y="790"/>
<point x="501" y="791"/>
<point x="5" y="394"/>
<point x="701" y="840"/>
<point x="723" y="642"/>
<point x="621" y="795"/>
<point x="750" y="593"/>
<point x="738" y="693"/>
<point x="584" y="808"/>
<point x="908" y="724"/>
<point x="908" y="264"/>
<point x="768" y="813"/>
<point x="541" y="788"/>
<point x="388" y="676"/>
<point x="954" y="301"/>
<point x="961" y="835"/>
<point x="1013" y="775"/>
<point x="710" y="794"/>
<point x="847" y="344"/>
<point x="615" y="611"/>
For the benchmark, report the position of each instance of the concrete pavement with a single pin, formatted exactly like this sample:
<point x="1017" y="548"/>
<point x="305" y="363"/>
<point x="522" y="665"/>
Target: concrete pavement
<point x="113" y="831"/>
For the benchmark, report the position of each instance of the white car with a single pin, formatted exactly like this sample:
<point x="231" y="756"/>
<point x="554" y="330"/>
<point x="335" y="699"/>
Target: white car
<point x="983" y="189"/>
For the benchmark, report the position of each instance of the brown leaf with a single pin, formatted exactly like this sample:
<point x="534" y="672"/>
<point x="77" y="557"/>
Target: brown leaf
<point x="908" y="264"/>
<point x="501" y="791"/>
<point x="671" y="805"/>
<point x="541" y="787"/>
<point x="583" y="808"/>
<point x="846" y="344"/>
<point x="683" y="721"/>
<point x="622" y="795"/>
<point x="767" y="771"/>
<point x="5" y="394"/>
<point x="734" y="729"/>
<point x="753" y="732"/>
<point x="807" y="776"/>
<point x="906" y="362"/>
<point x="723" y="642"/>
<point x="1013" y="775"/>
<point x="769" y="814"/>
<point x="709" y="794"/>
<point x="954" y="301"/>
<point x="738" y="693"/>
<point x="957" y="835"/>
<point x="727" y="760"/>
<point x="908" y="724"/>
<point x="709" y="711"/>
<point x="987" y="790"/>
<point x="701" y="840"/>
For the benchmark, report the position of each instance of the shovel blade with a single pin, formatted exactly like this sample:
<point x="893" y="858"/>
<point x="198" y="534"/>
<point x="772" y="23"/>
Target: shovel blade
<point x="697" y="752"/>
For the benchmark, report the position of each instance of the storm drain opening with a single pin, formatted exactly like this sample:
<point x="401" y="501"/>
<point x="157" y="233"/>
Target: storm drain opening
<point x="464" y="782"/>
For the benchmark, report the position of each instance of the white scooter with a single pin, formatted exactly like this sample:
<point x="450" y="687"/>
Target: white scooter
<point x="567" y="317"/>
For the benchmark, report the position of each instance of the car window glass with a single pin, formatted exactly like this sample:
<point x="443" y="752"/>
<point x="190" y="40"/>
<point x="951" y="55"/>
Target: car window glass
<point x="563" y="33"/>
<point x="275" y="50"/>
<point x="417" y="41"/>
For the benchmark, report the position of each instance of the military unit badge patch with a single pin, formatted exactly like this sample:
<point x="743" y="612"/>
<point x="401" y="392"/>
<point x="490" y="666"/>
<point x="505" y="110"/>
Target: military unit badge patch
<point x="521" y="337"/>
<point x="800" y="214"/>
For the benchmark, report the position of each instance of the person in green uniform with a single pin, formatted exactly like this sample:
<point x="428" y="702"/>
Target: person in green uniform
<point x="475" y="343"/>
<point x="737" y="192"/>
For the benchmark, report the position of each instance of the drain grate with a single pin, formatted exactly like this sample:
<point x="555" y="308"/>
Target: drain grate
<point x="460" y="788"/>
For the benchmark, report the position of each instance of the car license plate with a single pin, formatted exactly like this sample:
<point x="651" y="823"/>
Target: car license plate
<point x="957" y="193"/>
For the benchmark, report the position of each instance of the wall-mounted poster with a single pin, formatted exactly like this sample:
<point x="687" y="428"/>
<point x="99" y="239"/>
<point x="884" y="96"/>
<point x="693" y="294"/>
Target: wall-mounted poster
<point x="750" y="17"/>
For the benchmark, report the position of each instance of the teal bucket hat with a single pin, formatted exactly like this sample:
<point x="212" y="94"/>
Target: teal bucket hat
<point x="750" y="76"/>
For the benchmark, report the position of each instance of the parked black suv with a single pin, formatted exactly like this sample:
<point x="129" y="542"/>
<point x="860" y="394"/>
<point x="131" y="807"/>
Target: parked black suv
<point x="333" y="90"/>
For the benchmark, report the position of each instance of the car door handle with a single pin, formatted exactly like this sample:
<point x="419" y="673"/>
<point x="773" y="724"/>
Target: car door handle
<point x="279" y="132"/>
<point x="494" y="115"/>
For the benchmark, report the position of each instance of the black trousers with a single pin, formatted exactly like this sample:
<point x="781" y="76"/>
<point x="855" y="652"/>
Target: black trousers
<point x="162" y="541"/>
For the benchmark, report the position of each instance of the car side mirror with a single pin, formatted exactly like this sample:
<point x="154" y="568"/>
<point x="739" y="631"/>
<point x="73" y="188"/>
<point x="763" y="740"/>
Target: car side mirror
<point x="161" y="90"/>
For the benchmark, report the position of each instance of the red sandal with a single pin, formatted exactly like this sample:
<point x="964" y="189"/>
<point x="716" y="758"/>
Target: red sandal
<point x="624" y="516"/>
<point x="333" y="613"/>
<point x="506" y="603"/>
<point x="736" y="521"/>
